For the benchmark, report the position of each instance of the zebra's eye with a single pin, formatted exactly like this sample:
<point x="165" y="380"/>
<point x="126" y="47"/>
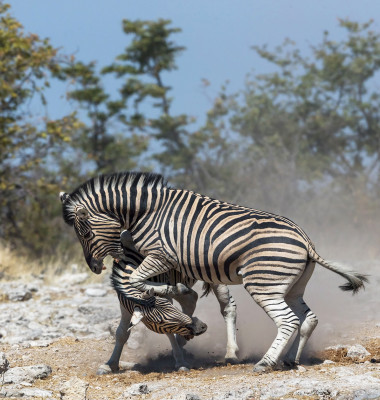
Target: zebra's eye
<point x="87" y="235"/>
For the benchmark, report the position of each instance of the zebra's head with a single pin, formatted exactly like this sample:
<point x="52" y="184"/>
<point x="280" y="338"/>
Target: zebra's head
<point x="98" y="233"/>
<point x="164" y="317"/>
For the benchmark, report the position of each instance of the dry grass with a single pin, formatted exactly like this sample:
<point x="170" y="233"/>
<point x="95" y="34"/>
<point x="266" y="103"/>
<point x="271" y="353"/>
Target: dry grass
<point x="340" y="355"/>
<point x="14" y="266"/>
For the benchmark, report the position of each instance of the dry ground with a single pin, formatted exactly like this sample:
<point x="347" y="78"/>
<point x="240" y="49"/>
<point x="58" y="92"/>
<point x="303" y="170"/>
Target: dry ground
<point x="80" y="358"/>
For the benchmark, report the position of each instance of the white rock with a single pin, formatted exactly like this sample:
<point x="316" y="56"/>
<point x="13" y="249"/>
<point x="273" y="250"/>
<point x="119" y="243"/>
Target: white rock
<point x="136" y="389"/>
<point x="25" y="393"/>
<point x="41" y="343"/>
<point x="319" y="392"/>
<point x="19" y="294"/>
<point x="95" y="292"/>
<point x="74" y="389"/>
<point x="26" y="374"/>
<point x="34" y="287"/>
<point x="337" y="347"/>
<point x="191" y="396"/>
<point x="73" y="279"/>
<point x="357" y="351"/>
<point x="328" y="362"/>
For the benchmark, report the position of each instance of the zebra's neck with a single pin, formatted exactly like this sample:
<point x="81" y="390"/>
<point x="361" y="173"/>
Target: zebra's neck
<point x="142" y="207"/>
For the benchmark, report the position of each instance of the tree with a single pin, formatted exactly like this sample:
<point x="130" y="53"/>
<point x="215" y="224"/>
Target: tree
<point x="101" y="138"/>
<point x="26" y="143"/>
<point x="149" y="56"/>
<point x="314" y="119"/>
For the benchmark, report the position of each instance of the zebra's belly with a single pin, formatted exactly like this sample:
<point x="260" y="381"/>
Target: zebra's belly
<point x="216" y="274"/>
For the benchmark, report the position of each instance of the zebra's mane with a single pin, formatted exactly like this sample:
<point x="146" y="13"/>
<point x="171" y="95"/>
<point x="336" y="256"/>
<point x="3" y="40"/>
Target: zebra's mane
<point x="130" y="179"/>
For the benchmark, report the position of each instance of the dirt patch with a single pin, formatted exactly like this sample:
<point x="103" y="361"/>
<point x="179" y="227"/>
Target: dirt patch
<point x="69" y="357"/>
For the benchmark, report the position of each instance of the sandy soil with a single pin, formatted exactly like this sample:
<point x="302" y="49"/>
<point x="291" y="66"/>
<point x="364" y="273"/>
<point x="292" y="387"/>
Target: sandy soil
<point x="80" y="358"/>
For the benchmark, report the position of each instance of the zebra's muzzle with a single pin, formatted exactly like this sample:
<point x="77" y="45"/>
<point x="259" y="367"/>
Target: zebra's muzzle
<point x="95" y="265"/>
<point x="196" y="328"/>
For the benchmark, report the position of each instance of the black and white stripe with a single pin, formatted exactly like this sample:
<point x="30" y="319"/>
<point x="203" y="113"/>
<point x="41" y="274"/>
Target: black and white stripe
<point x="209" y="240"/>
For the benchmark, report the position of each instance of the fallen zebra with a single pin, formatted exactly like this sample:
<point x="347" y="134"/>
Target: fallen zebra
<point x="163" y="317"/>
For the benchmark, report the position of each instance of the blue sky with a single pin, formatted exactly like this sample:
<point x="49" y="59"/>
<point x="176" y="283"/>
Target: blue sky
<point x="218" y="35"/>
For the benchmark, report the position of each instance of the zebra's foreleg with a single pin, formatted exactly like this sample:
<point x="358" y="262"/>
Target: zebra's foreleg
<point x="152" y="266"/>
<point x="188" y="303"/>
<point x="228" y="310"/>
<point x="180" y="363"/>
<point x="122" y="335"/>
<point x="308" y="320"/>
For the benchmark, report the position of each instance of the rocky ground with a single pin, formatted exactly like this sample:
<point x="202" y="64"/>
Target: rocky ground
<point x="53" y="338"/>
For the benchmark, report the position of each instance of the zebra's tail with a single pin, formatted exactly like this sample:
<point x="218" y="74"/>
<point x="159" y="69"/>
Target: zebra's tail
<point x="355" y="279"/>
<point x="206" y="289"/>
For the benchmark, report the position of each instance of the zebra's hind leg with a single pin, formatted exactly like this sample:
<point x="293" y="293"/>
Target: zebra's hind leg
<point x="228" y="310"/>
<point x="308" y="320"/>
<point x="271" y="297"/>
<point x="122" y="336"/>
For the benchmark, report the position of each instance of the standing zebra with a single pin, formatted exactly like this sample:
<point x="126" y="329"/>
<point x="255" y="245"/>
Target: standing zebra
<point x="205" y="239"/>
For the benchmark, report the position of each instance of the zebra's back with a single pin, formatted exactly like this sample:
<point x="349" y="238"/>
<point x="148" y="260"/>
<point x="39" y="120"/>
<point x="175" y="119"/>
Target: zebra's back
<point x="213" y="241"/>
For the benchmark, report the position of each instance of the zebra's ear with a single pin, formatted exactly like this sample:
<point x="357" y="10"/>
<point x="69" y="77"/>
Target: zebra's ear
<point x="82" y="213"/>
<point x="136" y="317"/>
<point x="63" y="196"/>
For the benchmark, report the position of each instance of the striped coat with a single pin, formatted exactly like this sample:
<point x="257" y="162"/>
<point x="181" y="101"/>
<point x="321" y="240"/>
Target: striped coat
<point x="205" y="239"/>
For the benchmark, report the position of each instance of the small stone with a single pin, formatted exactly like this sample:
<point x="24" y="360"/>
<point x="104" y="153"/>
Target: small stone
<point x="328" y="362"/>
<point x="136" y="389"/>
<point x="26" y="393"/>
<point x="26" y="374"/>
<point x="191" y="396"/>
<point x="300" y="368"/>
<point x="95" y="292"/>
<point x="73" y="279"/>
<point x="19" y="294"/>
<point x="40" y="343"/>
<point x="74" y="389"/>
<point x="337" y="347"/>
<point x="4" y="363"/>
<point x="87" y="309"/>
<point x="357" y="351"/>
<point x="34" y="287"/>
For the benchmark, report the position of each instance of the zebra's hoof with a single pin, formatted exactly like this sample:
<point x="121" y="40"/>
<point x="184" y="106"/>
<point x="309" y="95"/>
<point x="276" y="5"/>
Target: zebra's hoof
<point x="105" y="369"/>
<point x="231" y="360"/>
<point x="125" y="365"/>
<point x="262" y="369"/>
<point x="183" y="369"/>
<point x="289" y="364"/>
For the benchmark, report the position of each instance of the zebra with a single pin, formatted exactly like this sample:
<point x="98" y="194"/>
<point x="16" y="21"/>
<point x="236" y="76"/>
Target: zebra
<point x="208" y="240"/>
<point x="164" y="317"/>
